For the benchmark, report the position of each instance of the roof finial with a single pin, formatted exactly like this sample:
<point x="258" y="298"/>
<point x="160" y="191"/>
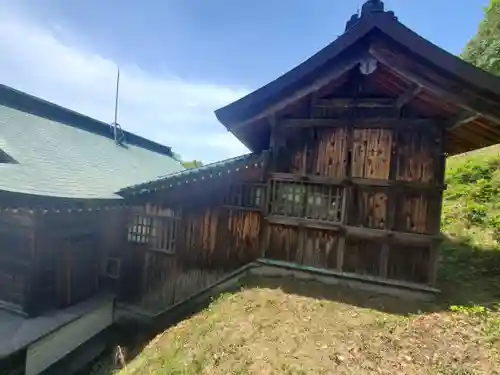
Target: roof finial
<point x="368" y="8"/>
<point x="372" y="6"/>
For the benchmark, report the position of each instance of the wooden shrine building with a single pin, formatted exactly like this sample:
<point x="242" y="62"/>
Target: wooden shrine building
<point x="61" y="223"/>
<point x="346" y="171"/>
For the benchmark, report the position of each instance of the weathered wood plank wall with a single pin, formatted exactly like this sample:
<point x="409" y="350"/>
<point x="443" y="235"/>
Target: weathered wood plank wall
<point x="355" y="193"/>
<point x="16" y="253"/>
<point x="213" y="236"/>
<point x="390" y="179"/>
<point x="55" y="258"/>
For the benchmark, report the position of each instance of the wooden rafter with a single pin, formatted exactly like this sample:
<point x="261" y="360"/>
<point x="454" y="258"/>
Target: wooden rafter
<point x="408" y="95"/>
<point x="402" y="68"/>
<point x="462" y="118"/>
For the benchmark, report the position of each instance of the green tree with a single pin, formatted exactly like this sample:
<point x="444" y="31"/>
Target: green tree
<point x="187" y="164"/>
<point x="192" y="164"/>
<point x="483" y="50"/>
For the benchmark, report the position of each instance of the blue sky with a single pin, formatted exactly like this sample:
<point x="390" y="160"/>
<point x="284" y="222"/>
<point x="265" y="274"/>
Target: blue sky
<point x="182" y="59"/>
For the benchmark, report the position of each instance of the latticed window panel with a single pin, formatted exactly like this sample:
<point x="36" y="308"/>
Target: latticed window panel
<point x="141" y="229"/>
<point x="245" y="195"/>
<point x="306" y="200"/>
<point x="159" y="232"/>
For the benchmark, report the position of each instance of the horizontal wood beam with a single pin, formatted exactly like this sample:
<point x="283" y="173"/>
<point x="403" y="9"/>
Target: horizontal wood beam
<point x="392" y="236"/>
<point x="306" y="178"/>
<point x="359" y="122"/>
<point x="242" y="208"/>
<point x="403" y="68"/>
<point x="356" y="102"/>
<point x="408" y="95"/>
<point x="353" y="181"/>
<point x="306" y="223"/>
<point x="337" y="72"/>
<point x="460" y="119"/>
<point x="410" y="185"/>
<point x="385" y="236"/>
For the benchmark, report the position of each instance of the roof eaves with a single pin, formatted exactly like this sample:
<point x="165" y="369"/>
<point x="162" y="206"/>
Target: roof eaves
<point x="245" y="107"/>
<point x="186" y="175"/>
<point x="235" y="111"/>
<point x="441" y="58"/>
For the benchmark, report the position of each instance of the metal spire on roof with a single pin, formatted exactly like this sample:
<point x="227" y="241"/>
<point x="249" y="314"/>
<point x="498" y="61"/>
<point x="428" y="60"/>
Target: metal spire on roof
<point x="117" y="130"/>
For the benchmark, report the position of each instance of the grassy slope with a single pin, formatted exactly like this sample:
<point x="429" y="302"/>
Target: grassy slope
<point x="298" y="329"/>
<point x="470" y="268"/>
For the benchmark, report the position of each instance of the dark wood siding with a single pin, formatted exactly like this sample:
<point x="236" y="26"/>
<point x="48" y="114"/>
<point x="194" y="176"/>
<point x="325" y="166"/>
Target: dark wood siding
<point x="355" y="189"/>
<point x="16" y="257"/>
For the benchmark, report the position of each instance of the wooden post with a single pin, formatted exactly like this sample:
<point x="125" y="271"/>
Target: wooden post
<point x="433" y="263"/>
<point x="384" y="258"/>
<point x="340" y="252"/>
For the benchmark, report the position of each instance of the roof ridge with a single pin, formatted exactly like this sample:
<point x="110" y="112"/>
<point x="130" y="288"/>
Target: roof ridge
<point x="17" y="99"/>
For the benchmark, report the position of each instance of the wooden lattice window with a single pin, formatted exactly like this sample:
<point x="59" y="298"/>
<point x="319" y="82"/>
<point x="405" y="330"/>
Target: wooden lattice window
<point x="159" y="232"/>
<point x="141" y="229"/>
<point x="245" y="195"/>
<point x="306" y="200"/>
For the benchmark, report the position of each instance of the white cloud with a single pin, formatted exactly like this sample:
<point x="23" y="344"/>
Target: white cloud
<point x="165" y="109"/>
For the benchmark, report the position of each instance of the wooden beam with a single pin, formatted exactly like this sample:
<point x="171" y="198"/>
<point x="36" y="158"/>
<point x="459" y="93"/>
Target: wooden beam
<point x="316" y="85"/>
<point x="340" y="253"/>
<point x="354" y="181"/>
<point x="460" y="119"/>
<point x="359" y="123"/>
<point x="403" y="69"/>
<point x="433" y="264"/>
<point x="306" y="223"/>
<point x="408" y="95"/>
<point x="292" y="177"/>
<point x="359" y="103"/>
<point x="384" y="260"/>
<point x="391" y="236"/>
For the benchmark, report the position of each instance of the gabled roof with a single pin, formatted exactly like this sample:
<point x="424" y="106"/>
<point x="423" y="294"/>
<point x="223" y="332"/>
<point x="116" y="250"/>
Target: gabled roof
<point x="60" y="153"/>
<point x="241" y="114"/>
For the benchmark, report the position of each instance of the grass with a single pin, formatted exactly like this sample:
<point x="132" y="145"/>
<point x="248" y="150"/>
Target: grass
<point x="288" y="327"/>
<point x="267" y="329"/>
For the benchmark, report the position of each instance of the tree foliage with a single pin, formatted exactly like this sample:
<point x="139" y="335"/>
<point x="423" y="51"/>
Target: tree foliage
<point x="192" y="164"/>
<point x="187" y="164"/>
<point x="483" y="50"/>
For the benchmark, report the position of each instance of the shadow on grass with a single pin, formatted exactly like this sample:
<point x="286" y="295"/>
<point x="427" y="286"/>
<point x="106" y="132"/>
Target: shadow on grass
<point x="468" y="275"/>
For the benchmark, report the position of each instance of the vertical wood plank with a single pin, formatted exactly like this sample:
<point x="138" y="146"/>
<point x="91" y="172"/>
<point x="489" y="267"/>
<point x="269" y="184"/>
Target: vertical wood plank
<point x="384" y="257"/>
<point x="340" y="252"/>
<point x="433" y="264"/>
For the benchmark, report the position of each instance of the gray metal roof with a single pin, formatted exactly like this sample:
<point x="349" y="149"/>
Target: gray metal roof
<point x="60" y="153"/>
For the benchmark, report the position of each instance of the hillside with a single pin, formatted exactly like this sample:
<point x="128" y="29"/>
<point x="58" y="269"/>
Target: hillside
<point x="471" y="220"/>
<point x="298" y="328"/>
<point x="294" y="328"/>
